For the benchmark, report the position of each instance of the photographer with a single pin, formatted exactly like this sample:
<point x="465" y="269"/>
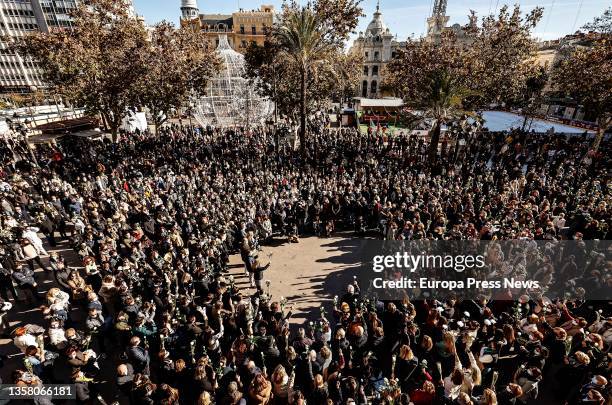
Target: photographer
<point x="410" y="373"/>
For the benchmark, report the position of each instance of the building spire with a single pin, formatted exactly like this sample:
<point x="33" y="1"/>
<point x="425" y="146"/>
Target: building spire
<point x="438" y="19"/>
<point x="439" y="8"/>
<point x="378" y="6"/>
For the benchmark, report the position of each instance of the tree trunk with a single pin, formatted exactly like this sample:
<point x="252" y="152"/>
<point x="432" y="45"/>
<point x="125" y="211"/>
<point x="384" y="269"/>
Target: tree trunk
<point x="157" y="123"/>
<point x="115" y="123"/>
<point x="115" y="135"/>
<point x="435" y="139"/>
<point x="303" y="114"/>
<point x="604" y="124"/>
<point x="105" y="121"/>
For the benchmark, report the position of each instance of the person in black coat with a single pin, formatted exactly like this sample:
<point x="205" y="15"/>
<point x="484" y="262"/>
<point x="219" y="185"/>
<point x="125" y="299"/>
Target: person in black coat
<point x="257" y="269"/>
<point x="125" y="379"/>
<point x="4" y="324"/>
<point x="138" y="356"/>
<point x="60" y="271"/>
<point x="24" y="277"/>
<point x="81" y="388"/>
<point x="509" y="395"/>
<point x="572" y="375"/>
<point x="47" y="226"/>
<point x="7" y="266"/>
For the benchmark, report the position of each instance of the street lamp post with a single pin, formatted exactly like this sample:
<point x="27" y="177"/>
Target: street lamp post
<point x="189" y="113"/>
<point x="33" y="89"/>
<point x="272" y="130"/>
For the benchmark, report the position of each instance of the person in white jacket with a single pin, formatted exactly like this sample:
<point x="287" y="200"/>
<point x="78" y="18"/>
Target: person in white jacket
<point x="31" y="233"/>
<point x="23" y="339"/>
<point x="4" y="308"/>
<point x="57" y="335"/>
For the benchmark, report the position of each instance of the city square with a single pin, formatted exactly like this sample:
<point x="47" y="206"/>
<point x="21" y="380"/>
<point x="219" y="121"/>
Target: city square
<point x="305" y="202"/>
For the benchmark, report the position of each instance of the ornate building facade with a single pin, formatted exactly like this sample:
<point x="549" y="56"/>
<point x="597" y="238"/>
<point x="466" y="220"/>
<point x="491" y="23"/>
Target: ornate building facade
<point x="437" y="24"/>
<point x="241" y="27"/>
<point x="377" y="46"/>
<point x="18" y="18"/>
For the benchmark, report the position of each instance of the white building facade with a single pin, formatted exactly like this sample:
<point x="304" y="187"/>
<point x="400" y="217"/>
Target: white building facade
<point x="22" y="17"/>
<point x="377" y="46"/>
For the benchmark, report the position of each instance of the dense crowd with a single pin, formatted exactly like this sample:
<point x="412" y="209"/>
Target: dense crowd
<point x="150" y="315"/>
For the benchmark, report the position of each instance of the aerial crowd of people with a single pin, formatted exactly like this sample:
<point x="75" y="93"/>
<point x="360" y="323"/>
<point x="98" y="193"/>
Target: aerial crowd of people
<point x="138" y="306"/>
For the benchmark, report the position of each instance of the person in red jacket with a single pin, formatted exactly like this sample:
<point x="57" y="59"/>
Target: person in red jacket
<point x="424" y="396"/>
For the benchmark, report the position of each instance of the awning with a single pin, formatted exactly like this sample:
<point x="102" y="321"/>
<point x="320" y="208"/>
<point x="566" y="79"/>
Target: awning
<point x="68" y="126"/>
<point x="380" y="102"/>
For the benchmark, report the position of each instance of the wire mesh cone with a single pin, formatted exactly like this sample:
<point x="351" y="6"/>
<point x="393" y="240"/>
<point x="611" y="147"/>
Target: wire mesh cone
<point x="230" y="99"/>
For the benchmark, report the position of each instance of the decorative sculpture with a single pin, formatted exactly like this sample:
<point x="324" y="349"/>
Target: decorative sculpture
<point x="230" y="100"/>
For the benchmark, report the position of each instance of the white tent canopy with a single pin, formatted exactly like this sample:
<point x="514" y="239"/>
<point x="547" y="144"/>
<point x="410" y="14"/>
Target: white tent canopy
<point x="135" y="121"/>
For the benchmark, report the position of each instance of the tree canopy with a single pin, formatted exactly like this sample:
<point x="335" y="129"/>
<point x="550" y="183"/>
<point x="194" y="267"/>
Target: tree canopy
<point x="97" y="63"/>
<point x="178" y="63"/>
<point x="448" y="79"/>
<point x="584" y="74"/>
<point x="108" y="62"/>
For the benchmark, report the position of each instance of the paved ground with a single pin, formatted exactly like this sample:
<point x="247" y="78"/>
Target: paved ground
<point x="308" y="274"/>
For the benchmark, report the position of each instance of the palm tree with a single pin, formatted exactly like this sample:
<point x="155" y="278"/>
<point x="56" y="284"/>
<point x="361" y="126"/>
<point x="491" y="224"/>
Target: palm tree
<point x="444" y="104"/>
<point x="301" y="38"/>
<point x="431" y="79"/>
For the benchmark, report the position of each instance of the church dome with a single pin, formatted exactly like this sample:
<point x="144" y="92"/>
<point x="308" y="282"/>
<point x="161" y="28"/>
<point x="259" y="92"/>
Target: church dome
<point x="377" y="25"/>
<point x="189" y="4"/>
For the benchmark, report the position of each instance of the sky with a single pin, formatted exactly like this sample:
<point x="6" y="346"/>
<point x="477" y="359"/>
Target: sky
<point x="406" y="18"/>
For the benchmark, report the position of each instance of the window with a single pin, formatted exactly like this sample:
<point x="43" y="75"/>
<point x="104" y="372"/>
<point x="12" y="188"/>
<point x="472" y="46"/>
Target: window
<point x="376" y="55"/>
<point x="242" y="29"/>
<point x="366" y="71"/>
<point x="367" y="55"/>
<point x="243" y="44"/>
<point x="375" y="71"/>
<point x="374" y="87"/>
<point x="393" y="55"/>
<point x="19" y="12"/>
<point x="364" y="89"/>
<point x="254" y="30"/>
